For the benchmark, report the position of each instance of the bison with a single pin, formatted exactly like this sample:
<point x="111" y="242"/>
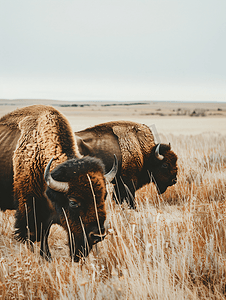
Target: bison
<point x="140" y="159"/>
<point x="45" y="178"/>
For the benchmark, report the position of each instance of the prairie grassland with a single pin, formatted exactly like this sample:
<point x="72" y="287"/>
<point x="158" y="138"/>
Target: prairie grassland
<point x="172" y="247"/>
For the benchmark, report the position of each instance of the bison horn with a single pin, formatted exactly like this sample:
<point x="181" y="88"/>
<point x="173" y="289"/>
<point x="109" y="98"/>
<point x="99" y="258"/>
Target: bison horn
<point x="112" y="173"/>
<point x="158" y="156"/>
<point x="57" y="186"/>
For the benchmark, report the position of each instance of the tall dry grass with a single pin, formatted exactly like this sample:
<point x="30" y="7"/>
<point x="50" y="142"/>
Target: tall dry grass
<point x="172" y="247"/>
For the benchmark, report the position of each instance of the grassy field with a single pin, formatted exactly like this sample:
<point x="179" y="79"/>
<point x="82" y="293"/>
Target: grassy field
<point x="172" y="247"/>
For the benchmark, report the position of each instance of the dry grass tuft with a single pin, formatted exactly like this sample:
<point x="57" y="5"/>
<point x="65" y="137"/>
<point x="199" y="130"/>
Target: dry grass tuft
<point x="172" y="247"/>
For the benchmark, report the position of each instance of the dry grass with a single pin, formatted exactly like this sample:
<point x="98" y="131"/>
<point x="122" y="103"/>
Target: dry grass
<point x="172" y="247"/>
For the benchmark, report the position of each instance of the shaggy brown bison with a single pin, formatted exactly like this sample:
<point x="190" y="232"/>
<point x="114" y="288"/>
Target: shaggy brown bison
<point x="44" y="177"/>
<point x="140" y="159"/>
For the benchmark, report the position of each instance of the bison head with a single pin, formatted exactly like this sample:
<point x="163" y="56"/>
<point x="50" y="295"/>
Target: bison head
<point x="77" y="190"/>
<point x="163" y="165"/>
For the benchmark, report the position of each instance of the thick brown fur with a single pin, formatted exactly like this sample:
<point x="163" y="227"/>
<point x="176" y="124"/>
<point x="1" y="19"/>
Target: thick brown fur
<point x="42" y="132"/>
<point x="134" y="146"/>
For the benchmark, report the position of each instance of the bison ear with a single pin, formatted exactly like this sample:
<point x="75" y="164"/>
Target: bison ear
<point x="83" y="148"/>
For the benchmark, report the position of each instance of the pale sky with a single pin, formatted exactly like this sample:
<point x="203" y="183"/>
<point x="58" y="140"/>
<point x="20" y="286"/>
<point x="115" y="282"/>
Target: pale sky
<point x="113" y="49"/>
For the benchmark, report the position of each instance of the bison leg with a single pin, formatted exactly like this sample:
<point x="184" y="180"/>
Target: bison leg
<point x="124" y="192"/>
<point x="130" y="199"/>
<point x="32" y="232"/>
<point x="119" y="193"/>
<point x="32" y="224"/>
<point x="44" y="249"/>
<point x="25" y="229"/>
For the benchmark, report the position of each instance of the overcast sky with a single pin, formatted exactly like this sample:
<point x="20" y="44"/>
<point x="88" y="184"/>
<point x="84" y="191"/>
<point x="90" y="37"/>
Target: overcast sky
<point x="113" y="50"/>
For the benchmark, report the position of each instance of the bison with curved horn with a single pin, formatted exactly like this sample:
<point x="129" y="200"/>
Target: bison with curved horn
<point x="44" y="177"/>
<point x="140" y="159"/>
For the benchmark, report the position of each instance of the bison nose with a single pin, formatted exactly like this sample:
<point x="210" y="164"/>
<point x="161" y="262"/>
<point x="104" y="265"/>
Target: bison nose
<point x="96" y="236"/>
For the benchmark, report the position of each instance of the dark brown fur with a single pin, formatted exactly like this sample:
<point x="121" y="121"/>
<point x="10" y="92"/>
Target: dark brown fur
<point x="29" y="138"/>
<point x="134" y="146"/>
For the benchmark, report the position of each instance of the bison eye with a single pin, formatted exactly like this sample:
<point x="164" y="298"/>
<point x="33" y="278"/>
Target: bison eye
<point x="73" y="204"/>
<point x="165" y="166"/>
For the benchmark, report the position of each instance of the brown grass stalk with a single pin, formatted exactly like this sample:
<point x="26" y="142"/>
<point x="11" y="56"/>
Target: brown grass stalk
<point x="172" y="246"/>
